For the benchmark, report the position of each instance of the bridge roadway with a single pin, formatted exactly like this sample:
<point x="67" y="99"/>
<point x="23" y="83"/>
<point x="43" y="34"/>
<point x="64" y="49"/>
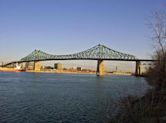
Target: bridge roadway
<point x="100" y="71"/>
<point x="100" y="53"/>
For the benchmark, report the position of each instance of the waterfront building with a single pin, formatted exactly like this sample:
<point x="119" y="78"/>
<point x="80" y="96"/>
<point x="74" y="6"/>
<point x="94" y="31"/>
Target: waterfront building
<point x="58" y="66"/>
<point x="79" y="68"/>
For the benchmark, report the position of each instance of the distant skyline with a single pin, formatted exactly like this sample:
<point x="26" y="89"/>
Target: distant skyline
<point x="71" y="26"/>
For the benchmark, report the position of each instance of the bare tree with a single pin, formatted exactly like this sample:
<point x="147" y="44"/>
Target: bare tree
<point x="157" y="25"/>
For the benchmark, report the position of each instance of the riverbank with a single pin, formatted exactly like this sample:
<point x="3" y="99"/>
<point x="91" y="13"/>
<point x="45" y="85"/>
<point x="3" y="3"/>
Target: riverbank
<point x="47" y="71"/>
<point x="7" y="70"/>
<point x="65" y="72"/>
<point x="62" y="72"/>
<point x="151" y="108"/>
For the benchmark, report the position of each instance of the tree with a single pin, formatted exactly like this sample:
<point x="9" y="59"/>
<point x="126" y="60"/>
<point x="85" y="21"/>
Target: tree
<point x="157" y="25"/>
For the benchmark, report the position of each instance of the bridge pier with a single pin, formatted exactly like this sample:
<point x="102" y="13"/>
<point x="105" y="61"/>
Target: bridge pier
<point x="36" y="66"/>
<point x="100" y="68"/>
<point x="138" y="68"/>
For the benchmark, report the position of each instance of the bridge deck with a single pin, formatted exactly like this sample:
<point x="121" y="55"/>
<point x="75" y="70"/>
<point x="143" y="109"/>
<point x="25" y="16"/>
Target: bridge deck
<point x="132" y="60"/>
<point x="99" y="52"/>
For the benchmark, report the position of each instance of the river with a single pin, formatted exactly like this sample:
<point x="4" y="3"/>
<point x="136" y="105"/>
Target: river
<point x="63" y="98"/>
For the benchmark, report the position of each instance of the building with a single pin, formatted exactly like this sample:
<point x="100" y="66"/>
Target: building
<point x="58" y="66"/>
<point x="79" y="69"/>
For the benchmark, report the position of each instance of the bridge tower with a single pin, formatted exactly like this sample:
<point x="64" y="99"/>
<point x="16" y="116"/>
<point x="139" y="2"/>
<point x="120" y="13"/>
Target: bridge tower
<point x="100" y="68"/>
<point x="36" y="66"/>
<point x="138" y="68"/>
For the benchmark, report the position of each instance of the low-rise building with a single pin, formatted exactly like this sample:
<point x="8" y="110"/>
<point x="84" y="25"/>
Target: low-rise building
<point x="58" y="66"/>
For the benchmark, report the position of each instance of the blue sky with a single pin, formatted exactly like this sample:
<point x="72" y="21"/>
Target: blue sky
<point x="69" y="26"/>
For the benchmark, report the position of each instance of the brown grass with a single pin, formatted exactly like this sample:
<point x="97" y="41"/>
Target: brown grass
<point x="157" y="73"/>
<point x="151" y="108"/>
<point x="148" y="109"/>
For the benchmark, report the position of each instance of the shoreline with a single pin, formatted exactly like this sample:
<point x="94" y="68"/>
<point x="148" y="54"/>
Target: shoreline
<point x="66" y="72"/>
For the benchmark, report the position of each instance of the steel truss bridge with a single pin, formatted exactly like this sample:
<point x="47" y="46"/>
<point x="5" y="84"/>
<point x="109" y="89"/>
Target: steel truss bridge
<point x="99" y="53"/>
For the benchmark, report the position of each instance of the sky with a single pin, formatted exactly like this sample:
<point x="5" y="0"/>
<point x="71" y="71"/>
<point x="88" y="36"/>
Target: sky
<point x="71" y="26"/>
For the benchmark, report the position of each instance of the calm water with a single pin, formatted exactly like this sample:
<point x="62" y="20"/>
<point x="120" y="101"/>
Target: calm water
<point x="62" y="98"/>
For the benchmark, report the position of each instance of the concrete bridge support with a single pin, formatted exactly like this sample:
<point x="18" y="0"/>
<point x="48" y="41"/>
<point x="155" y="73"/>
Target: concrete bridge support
<point x="36" y="66"/>
<point x="138" y="68"/>
<point x="100" y="68"/>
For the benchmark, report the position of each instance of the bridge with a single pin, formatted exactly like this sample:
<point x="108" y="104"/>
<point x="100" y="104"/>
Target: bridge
<point x="98" y="52"/>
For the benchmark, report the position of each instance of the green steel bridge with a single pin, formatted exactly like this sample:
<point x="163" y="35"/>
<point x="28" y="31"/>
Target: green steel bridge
<point x="99" y="53"/>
